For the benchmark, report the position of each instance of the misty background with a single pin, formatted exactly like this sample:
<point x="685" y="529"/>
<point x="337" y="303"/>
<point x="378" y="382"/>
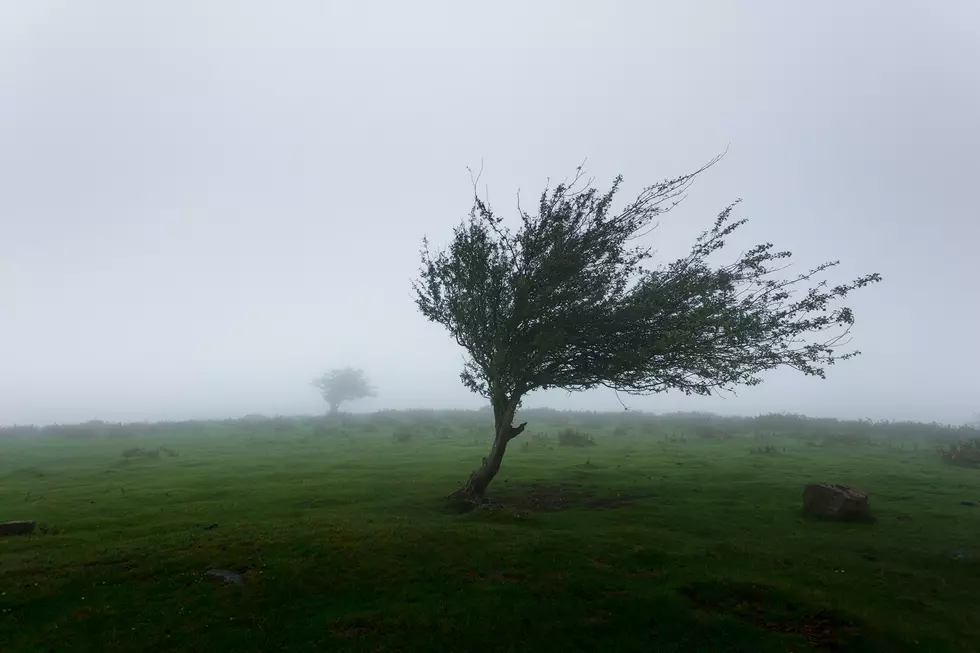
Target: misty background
<point x="203" y="205"/>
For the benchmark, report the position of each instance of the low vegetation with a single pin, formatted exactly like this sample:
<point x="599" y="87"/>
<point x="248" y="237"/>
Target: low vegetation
<point x="654" y="539"/>
<point x="965" y="453"/>
<point x="573" y="438"/>
<point x="402" y="434"/>
<point x="153" y="454"/>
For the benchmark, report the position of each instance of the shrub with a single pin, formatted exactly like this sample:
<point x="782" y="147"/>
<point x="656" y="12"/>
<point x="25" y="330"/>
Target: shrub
<point x="850" y="439"/>
<point x="140" y="452"/>
<point x="768" y="448"/>
<point x="572" y="438"/>
<point x="402" y="434"/>
<point x="442" y="432"/>
<point x="153" y="454"/>
<point x="711" y="432"/>
<point x="621" y="431"/>
<point x="965" y="453"/>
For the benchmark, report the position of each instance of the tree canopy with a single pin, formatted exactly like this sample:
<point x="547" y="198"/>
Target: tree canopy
<point x="343" y="384"/>
<point x="566" y="300"/>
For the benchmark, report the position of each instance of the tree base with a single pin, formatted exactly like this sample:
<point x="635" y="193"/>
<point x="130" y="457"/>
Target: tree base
<point x="471" y="494"/>
<point x="463" y="501"/>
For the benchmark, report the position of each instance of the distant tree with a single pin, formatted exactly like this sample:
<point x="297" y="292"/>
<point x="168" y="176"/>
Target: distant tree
<point x="344" y="384"/>
<point x="565" y="302"/>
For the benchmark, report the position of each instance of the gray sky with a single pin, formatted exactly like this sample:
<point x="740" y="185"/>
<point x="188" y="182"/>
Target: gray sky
<point x="205" y="204"/>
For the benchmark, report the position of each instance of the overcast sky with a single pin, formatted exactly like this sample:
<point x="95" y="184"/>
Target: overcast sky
<point x="204" y="204"/>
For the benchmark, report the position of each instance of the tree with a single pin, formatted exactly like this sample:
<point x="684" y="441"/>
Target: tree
<point x="565" y="301"/>
<point x="345" y="384"/>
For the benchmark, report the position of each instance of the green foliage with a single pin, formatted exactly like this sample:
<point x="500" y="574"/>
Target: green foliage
<point x="565" y="301"/>
<point x="711" y="431"/>
<point x="402" y="434"/>
<point x="134" y="452"/>
<point x="139" y="452"/>
<point x="847" y="439"/>
<point x="469" y="423"/>
<point x="573" y="438"/>
<point x="710" y="555"/>
<point x="152" y="454"/>
<point x="965" y="453"/>
<point x="344" y="384"/>
<point x="621" y="431"/>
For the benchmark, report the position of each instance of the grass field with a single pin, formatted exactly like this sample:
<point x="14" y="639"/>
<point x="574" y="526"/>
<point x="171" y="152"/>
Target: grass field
<point x="663" y="536"/>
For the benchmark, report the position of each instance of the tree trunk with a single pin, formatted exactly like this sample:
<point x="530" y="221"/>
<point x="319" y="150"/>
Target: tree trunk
<point x="334" y="407"/>
<point x="471" y="494"/>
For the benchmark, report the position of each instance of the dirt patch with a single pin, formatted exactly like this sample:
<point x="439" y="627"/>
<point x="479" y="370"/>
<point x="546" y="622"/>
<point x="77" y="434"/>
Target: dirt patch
<point x="767" y="608"/>
<point x="494" y="576"/>
<point x="541" y="497"/>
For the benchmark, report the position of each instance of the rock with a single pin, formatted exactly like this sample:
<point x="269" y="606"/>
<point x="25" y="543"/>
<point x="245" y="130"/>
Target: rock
<point x="226" y="575"/>
<point x="836" y="502"/>
<point x="17" y="528"/>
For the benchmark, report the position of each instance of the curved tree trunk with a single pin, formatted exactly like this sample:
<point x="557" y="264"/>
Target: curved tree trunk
<point x="471" y="494"/>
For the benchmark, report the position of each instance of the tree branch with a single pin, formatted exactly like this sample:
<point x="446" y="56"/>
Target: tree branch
<point x="515" y="431"/>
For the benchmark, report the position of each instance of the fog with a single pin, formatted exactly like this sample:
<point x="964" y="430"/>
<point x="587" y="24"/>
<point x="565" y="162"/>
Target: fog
<point x="203" y="205"/>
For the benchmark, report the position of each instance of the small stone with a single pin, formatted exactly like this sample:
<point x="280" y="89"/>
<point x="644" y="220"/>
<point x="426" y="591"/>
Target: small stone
<point x="25" y="527"/>
<point x="226" y="575"/>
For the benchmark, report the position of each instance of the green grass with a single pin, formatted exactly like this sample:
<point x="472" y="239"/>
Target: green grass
<point x="696" y="545"/>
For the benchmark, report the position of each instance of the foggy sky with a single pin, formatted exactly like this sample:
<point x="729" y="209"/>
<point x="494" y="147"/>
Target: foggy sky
<point x="203" y="205"/>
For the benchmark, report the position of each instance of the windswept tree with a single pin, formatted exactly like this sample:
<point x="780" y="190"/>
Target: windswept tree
<point x="565" y="301"/>
<point x="344" y="384"/>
